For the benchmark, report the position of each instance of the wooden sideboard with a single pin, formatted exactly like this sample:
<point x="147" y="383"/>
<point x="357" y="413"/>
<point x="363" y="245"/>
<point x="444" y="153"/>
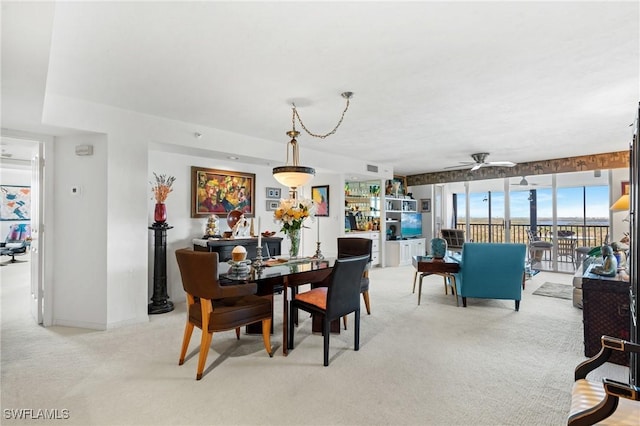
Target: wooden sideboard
<point x="605" y="304"/>
<point x="224" y="246"/>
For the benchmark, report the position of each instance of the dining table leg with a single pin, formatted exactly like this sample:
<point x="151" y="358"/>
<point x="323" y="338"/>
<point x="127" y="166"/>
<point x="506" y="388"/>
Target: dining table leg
<point x="285" y="317"/>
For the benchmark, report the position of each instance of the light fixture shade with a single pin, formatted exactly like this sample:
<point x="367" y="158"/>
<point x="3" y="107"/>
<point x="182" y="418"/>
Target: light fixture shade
<point x="293" y="176"/>
<point x="621" y="204"/>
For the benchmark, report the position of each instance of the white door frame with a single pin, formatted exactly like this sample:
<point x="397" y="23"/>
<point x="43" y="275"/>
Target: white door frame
<point x="37" y="177"/>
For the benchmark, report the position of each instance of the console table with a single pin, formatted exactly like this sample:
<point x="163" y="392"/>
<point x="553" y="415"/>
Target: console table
<point x="224" y="246"/>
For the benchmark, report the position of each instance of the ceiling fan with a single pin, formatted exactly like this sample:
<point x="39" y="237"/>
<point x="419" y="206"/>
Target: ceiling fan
<point x="524" y="182"/>
<point x="479" y="160"/>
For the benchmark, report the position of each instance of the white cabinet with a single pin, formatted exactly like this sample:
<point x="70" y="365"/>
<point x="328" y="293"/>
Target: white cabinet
<point x="400" y="252"/>
<point x="375" y="245"/>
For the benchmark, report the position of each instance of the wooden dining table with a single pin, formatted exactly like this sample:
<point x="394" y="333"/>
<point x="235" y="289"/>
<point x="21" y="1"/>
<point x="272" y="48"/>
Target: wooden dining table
<point x="284" y="276"/>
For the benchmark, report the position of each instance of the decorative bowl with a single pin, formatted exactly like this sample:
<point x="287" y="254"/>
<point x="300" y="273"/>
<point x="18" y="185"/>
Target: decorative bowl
<point x="268" y="234"/>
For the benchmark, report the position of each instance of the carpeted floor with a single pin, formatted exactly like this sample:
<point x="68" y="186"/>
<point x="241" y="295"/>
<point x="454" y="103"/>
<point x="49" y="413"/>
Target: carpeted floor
<point x="433" y="364"/>
<point x="561" y="291"/>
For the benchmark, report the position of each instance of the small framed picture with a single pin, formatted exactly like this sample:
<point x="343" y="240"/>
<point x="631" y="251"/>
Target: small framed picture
<point x="320" y="194"/>
<point x="272" y="205"/>
<point x="425" y="205"/>
<point x="273" y="193"/>
<point x="625" y="187"/>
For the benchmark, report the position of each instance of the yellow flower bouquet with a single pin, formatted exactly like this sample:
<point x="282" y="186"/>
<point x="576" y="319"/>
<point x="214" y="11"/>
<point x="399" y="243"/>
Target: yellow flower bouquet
<point x="292" y="213"/>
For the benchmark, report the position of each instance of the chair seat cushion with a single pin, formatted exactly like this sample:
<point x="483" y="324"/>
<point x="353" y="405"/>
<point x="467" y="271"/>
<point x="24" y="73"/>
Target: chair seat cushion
<point x="586" y="394"/>
<point x="541" y="244"/>
<point x="316" y="297"/>
<point x="225" y="316"/>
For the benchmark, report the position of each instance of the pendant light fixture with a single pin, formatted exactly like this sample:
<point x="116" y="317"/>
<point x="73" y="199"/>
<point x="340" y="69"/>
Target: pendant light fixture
<point x="294" y="175"/>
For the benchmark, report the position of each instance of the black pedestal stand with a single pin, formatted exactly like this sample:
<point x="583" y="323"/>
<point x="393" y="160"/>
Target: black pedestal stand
<point x="160" y="300"/>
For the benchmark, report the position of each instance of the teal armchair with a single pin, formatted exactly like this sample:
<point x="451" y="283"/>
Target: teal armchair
<point x="491" y="271"/>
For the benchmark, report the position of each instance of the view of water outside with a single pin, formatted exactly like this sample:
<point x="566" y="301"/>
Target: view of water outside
<point x="571" y="207"/>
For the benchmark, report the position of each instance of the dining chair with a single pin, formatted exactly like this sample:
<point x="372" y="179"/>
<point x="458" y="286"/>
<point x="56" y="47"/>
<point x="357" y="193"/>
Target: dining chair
<point x="349" y="247"/>
<point x="212" y="307"/>
<point x="341" y="297"/>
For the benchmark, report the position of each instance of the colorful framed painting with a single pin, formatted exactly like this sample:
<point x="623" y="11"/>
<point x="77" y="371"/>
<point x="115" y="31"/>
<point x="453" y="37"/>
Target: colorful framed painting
<point x="320" y="194"/>
<point x="15" y="202"/>
<point x="221" y="191"/>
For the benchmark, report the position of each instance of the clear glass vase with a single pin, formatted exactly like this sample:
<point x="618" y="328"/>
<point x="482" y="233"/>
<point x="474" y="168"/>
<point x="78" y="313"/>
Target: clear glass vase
<point x="294" y="238"/>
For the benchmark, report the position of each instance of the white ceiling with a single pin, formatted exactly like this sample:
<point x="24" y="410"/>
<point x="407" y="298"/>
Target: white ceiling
<point x="434" y="82"/>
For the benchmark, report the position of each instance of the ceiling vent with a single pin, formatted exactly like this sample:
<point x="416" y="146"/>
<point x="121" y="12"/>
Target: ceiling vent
<point x="372" y="168"/>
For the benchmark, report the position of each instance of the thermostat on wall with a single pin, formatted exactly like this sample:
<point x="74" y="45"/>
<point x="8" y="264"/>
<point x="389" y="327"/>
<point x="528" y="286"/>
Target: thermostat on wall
<point x="84" y="149"/>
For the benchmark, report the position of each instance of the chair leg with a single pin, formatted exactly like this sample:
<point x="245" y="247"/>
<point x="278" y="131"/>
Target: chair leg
<point x="464" y="302"/>
<point x="237" y="333"/>
<point x="205" y="342"/>
<point x="344" y="321"/>
<point x="365" y="296"/>
<point x="188" y="331"/>
<point x="446" y="288"/>
<point x="420" y="289"/>
<point x="326" y="331"/>
<point x="356" y="342"/>
<point x="266" y="335"/>
<point x="517" y="305"/>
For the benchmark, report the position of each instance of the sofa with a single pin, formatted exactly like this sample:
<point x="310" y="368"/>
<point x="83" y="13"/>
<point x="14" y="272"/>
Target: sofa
<point x="491" y="271"/>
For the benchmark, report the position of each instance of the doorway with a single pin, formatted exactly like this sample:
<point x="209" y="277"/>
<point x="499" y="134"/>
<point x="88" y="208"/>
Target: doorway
<point x="22" y="165"/>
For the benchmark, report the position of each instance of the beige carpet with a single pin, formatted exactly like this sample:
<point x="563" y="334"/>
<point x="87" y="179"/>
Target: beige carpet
<point x="434" y="364"/>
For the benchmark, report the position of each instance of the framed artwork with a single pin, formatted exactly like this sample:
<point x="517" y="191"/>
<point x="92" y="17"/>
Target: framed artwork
<point x="221" y="191"/>
<point x="320" y="194"/>
<point x="425" y="205"/>
<point x="15" y="202"/>
<point x="625" y="188"/>
<point x="272" y="205"/>
<point x="273" y="193"/>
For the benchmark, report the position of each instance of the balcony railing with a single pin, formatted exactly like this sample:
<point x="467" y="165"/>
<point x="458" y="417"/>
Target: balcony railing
<point x="588" y="235"/>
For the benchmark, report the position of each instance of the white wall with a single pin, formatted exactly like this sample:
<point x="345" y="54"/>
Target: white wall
<point x="80" y="258"/>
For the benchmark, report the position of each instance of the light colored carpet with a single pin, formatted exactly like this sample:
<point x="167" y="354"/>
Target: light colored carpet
<point x="433" y="364"/>
<point x="561" y="291"/>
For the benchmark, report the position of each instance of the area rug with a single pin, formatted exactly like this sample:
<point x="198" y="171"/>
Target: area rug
<point x="561" y="291"/>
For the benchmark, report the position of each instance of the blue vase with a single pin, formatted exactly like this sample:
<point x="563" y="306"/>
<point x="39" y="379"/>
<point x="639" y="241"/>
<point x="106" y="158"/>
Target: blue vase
<point x="438" y="248"/>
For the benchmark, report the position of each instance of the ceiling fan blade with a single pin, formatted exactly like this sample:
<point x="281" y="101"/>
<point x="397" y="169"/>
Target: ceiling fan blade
<point x="501" y="163"/>
<point x="477" y="166"/>
<point x="461" y="166"/>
